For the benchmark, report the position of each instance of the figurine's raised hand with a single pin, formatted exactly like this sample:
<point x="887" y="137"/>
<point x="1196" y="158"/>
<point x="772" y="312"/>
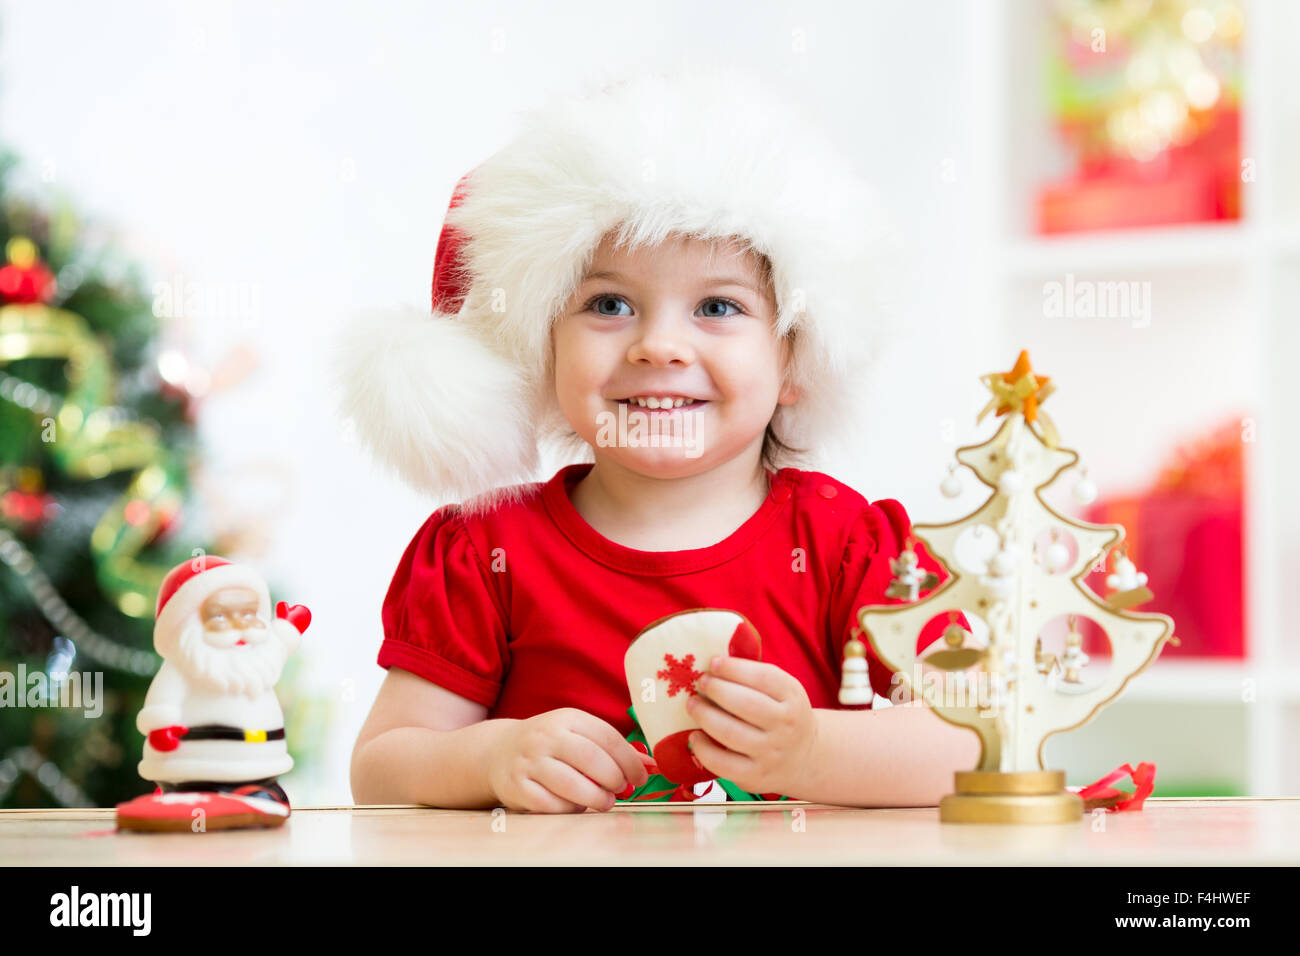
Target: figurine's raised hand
<point x="298" y="615"/>
<point x="167" y="738"/>
<point x="563" y="761"/>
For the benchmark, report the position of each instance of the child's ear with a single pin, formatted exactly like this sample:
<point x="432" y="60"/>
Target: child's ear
<point x="789" y="394"/>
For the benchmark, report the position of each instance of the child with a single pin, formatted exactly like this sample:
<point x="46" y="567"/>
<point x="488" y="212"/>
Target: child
<point x="688" y="253"/>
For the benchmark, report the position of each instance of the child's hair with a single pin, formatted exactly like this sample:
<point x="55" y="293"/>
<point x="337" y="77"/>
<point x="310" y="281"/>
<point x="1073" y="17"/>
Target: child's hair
<point x="774" y="450"/>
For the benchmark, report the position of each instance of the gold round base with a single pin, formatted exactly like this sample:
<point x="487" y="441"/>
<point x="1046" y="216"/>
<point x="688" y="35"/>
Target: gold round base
<point x="1033" y="797"/>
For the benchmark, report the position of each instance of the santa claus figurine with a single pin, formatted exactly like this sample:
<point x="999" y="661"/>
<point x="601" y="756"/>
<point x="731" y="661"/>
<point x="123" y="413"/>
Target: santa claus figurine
<point x="213" y="725"/>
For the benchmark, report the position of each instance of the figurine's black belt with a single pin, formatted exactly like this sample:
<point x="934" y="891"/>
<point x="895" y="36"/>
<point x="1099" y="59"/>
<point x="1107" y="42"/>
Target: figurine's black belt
<point x="219" y="732"/>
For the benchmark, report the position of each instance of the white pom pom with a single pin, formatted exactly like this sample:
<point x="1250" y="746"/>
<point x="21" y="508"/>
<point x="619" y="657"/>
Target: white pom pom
<point x="435" y="403"/>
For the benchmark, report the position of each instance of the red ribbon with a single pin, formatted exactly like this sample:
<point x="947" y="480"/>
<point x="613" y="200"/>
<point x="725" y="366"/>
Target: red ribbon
<point x="1144" y="780"/>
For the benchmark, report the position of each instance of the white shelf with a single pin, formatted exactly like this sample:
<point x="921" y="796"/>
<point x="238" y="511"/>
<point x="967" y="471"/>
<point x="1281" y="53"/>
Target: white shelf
<point x="1226" y="289"/>
<point x="1164" y="247"/>
<point x="1207" y="680"/>
<point x="1286" y="241"/>
<point x="1132" y="249"/>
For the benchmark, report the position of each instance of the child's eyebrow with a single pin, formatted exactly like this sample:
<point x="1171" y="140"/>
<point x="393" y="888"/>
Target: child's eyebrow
<point x="732" y="280"/>
<point x="708" y="280"/>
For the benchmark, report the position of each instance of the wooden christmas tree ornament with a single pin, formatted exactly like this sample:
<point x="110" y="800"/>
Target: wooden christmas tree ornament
<point x="1025" y="695"/>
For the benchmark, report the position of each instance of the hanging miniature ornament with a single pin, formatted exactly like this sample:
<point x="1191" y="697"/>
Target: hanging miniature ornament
<point x="1043" y="663"/>
<point x="1085" y="491"/>
<point x="1006" y="561"/>
<point x="1056" y="557"/>
<point x="909" y="580"/>
<point x="1003" y="571"/>
<point x="952" y="486"/>
<point x="954" y="634"/>
<point x="1010" y="482"/>
<point x="1074" y="659"/>
<point x="1127" y="583"/>
<point x="954" y="657"/>
<point x="855" y="687"/>
<point x="24" y="278"/>
<point x="26" y="510"/>
<point x="24" y="503"/>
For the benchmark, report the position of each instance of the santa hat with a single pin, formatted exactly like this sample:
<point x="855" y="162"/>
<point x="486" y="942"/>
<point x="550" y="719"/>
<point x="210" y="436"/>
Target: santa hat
<point x="192" y="582"/>
<point x="457" y="403"/>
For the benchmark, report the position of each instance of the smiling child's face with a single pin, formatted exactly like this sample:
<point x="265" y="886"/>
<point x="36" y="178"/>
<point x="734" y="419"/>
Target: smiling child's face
<point x="690" y="320"/>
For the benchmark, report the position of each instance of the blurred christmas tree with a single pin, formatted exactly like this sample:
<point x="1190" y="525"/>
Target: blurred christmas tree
<point x="97" y="449"/>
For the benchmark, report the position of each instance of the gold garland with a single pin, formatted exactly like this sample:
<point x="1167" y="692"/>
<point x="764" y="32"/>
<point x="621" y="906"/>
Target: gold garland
<point x="88" y="441"/>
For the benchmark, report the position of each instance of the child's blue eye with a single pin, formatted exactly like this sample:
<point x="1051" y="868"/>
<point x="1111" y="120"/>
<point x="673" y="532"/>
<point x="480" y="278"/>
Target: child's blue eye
<point x="724" y="302"/>
<point x="607" y="298"/>
<point x="706" y="308"/>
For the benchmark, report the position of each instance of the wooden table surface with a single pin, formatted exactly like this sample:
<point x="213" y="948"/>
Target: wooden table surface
<point x="1170" y="831"/>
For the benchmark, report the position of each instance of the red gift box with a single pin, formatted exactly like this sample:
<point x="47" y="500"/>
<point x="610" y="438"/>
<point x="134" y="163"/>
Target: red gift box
<point x="1185" y="534"/>
<point x="1196" y="182"/>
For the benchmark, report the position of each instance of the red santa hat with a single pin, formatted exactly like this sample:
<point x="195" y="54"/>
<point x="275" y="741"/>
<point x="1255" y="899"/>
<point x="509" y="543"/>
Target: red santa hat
<point x="458" y="403"/>
<point x="192" y="582"/>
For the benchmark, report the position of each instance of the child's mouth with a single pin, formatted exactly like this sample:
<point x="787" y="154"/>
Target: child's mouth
<point x="642" y="405"/>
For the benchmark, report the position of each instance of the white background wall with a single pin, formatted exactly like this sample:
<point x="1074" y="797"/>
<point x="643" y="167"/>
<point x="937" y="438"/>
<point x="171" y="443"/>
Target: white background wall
<point x="308" y="151"/>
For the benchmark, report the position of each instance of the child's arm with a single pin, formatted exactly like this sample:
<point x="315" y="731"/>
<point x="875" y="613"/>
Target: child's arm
<point x="424" y="744"/>
<point x="900" y="756"/>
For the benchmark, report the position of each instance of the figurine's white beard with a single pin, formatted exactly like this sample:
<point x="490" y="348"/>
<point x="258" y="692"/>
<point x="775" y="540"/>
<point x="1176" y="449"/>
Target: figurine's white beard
<point x="249" y="670"/>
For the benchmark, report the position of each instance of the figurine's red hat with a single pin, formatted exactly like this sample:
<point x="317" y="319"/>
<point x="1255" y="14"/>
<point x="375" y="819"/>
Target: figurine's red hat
<point x="181" y="574"/>
<point x="189" y="584"/>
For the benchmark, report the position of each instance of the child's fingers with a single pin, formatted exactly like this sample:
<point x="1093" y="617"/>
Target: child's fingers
<point x="541" y="800"/>
<point x="762" y="676"/>
<point x="724" y="727"/>
<point x="611" y="742"/>
<point x="742" y="701"/>
<point x="568" y="783"/>
<point x="590" y="759"/>
<point x="651" y="765"/>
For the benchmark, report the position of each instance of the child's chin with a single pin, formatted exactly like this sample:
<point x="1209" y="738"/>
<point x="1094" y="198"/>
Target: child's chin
<point x="664" y="462"/>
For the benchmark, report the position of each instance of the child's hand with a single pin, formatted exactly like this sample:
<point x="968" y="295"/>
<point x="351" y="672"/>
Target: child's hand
<point x="762" y="719"/>
<point x="564" y="761"/>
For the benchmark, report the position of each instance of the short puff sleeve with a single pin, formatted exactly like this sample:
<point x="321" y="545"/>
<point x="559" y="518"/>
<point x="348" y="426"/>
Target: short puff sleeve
<point x="876" y="537"/>
<point x="442" y="617"/>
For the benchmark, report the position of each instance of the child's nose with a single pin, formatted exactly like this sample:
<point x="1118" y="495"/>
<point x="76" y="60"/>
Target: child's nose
<point x="663" y="340"/>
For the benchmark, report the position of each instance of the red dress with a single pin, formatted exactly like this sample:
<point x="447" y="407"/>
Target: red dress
<point x="528" y="608"/>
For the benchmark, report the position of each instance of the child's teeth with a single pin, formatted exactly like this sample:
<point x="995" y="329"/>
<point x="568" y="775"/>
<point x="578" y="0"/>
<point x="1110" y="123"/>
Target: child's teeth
<point x="662" y="402"/>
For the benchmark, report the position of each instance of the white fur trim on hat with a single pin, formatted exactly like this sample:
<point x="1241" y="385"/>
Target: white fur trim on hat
<point x="175" y="614"/>
<point x="435" y="402"/>
<point x="704" y="151"/>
